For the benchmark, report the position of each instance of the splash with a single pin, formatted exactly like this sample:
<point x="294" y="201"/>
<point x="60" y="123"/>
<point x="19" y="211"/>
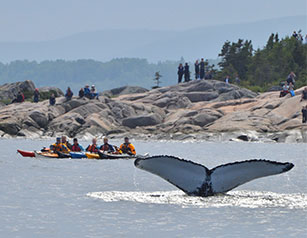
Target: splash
<point x="244" y="199"/>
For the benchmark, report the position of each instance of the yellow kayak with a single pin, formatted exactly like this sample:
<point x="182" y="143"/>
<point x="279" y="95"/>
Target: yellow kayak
<point x="92" y="155"/>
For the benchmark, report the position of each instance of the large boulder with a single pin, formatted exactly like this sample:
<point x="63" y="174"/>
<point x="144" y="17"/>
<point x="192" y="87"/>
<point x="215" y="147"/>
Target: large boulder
<point x="123" y="91"/>
<point x="48" y="90"/>
<point x="40" y="118"/>
<point x="10" y="90"/>
<point x="143" y="120"/>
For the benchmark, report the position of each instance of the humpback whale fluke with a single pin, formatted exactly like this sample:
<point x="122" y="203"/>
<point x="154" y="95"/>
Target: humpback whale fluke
<point x="196" y="179"/>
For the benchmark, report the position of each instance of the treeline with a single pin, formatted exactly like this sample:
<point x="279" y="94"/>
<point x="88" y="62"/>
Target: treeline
<point x="112" y="74"/>
<point x="257" y="69"/>
<point x="263" y="68"/>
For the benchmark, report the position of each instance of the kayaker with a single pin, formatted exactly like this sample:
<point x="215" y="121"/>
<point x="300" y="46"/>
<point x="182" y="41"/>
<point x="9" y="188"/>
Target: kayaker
<point x="65" y="142"/>
<point x="93" y="147"/>
<point x="87" y="91"/>
<point x="76" y="147"/>
<point x="106" y="146"/>
<point x="59" y="146"/>
<point x="127" y="147"/>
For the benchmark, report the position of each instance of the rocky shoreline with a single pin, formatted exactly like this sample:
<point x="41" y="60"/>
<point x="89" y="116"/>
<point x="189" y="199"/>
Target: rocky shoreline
<point x="199" y="110"/>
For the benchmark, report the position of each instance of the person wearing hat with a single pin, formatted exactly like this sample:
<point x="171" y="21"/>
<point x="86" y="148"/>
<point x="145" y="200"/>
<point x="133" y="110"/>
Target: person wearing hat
<point x="93" y="93"/>
<point x="87" y="91"/>
<point x="127" y="147"/>
<point x="59" y="146"/>
<point x="36" y="95"/>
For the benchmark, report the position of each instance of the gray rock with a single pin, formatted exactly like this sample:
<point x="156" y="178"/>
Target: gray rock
<point x="10" y="90"/>
<point x="40" y="118"/>
<point x="10" y="127"/>
<point x="201" y="96"/>
<point x="204" y="119"/>
<point x="123" y="91"/>
<point x="143" y="120"/>
<point x="58" y="92"/>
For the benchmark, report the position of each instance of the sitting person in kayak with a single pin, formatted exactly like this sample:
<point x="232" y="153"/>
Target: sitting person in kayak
<point x="93" y="148"/>
<point x="127" y="147"/>
<point x="58" y="146"/>
<point x="76" y="147"/>
<point x="106" y="147"/>
<point x="65" y="142"/>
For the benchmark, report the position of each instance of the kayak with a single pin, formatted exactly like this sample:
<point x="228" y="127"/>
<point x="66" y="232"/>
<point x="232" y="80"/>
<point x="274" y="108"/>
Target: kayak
<point x="40" y="154"/>
<point x="90" y="155"/>
<point x="26" y="153"/>
<point x="115" y="156"/>
<point x="77" y="155"/>
<point x="63" y="155"/>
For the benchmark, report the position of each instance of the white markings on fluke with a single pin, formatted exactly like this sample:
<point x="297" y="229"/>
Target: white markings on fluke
<point x="195" y="179"/>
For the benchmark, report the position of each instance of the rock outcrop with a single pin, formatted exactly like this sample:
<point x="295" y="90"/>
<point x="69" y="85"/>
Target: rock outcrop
<point x="10" y="90"/>
<point x="207" y="109"/>
<point x="123" y="91"/>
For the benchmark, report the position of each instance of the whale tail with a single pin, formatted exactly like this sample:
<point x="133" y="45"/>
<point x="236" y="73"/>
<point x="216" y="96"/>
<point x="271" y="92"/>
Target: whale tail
<point x="196" y="179"/>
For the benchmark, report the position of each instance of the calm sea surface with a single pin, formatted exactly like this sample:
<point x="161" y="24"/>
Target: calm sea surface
<point x="95" y="198"/>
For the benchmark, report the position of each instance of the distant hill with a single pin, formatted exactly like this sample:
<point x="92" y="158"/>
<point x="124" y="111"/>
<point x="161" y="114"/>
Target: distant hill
<point x="153" y="45"/>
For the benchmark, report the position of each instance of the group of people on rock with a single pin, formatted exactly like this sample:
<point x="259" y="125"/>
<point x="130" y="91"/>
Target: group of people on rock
<point x="200" y="71"/>
<point x="62" y="145"/>
<point x="288" y="86"/>
<point x="88" y="92"/>
<point x="83" y="92"/>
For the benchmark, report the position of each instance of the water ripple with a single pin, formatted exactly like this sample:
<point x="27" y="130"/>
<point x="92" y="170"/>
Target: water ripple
<point x="243" y="198"/>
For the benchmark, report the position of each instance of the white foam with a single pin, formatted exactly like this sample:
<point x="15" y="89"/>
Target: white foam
<point x="244" y="199"/>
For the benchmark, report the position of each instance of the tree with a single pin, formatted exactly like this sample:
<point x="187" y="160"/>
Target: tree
<point x="157" y="80"/>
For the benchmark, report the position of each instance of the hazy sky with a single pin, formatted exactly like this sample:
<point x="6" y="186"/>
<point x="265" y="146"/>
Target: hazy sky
<point x="50" y="19"/>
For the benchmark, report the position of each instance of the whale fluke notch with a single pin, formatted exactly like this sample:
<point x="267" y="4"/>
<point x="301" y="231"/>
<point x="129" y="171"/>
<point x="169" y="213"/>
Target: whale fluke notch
<point x="196" y="179"/>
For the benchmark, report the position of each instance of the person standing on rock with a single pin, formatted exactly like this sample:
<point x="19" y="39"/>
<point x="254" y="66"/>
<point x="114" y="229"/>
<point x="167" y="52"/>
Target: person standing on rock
<point x="69" y="94"/>
<point x="202" y="69"/>
<point x="76" y="147"/>
<point x="180" y="72"/>
<point x="186" y="72"/>
<point x="291" y="78"/>
<point x="36" y="95"/>
<point x="106" y="147"/>
<point x="196" y="65"/>
<point x="52" y="100"/>
<point x="304" y="94"/>
<point x="127" y="147"/>
<point x="93" y="148"/>
<point x="227" y="79"/>
<point x="304" y="114"/>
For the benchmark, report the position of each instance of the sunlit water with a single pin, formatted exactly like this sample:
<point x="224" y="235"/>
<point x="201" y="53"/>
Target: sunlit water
<point x="95" y="198"/>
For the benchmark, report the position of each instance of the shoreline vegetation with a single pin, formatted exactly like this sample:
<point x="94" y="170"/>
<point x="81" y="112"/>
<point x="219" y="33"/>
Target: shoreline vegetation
<point x="256" y="69"/>
<point x="208" y="110"/>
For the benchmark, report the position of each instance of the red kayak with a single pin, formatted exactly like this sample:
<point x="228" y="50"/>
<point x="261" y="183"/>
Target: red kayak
<point x="26" y="153"/>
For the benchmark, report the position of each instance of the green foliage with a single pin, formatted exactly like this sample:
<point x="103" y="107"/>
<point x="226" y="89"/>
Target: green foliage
<point x="263" y="68"/>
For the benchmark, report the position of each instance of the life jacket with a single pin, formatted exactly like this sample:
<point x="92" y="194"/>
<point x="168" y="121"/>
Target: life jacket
<point x="107" y="147"/>
<point x="127" y="148"/>
<point x="92" y="148"/>
<point x="76" y="148"/>
<point x="60" y="147"/>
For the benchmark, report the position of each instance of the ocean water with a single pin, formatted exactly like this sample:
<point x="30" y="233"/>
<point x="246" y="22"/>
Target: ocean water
<point x="95" y="198"/>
